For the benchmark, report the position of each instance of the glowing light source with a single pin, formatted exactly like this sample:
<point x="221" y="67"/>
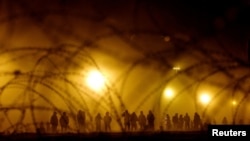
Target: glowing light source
<point x="95" y="80"/>
<point x="205" y="98"/>
<point x="176" y="68"/>
<point x="234" y="103"/>
<point x="168" y="93"/>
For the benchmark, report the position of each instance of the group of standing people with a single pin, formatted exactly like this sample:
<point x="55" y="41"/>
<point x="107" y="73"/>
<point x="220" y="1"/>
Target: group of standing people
<point x="107" y="119"/>
<point x="183" y="122"/>
<point x="63" y="121"/>
<point x="145" y="122"/>
<point x="130" y="122"/>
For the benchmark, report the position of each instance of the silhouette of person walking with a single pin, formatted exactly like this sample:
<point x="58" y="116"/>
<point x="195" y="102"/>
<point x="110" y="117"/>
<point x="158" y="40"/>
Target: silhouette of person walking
<point x="175" y="120"/>
<point x="197" y="121"/>
<point x="54" y="122"/>
<point x="64" y="122"/>
<point x="107" y="121"/>
<point x="98" y="119"/>
<point x="180" y="122"/>
<point x="151" y="119"/>
<point x="126" y="117"/>
<point x="133" y="121"/>
<point x="187" y="121"/>
<point x="81" y="118"/>
<point x="142" y="121"/>
<point x="168" y="122"/>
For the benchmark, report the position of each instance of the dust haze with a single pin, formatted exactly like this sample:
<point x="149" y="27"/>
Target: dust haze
<point x="142" y="48"/>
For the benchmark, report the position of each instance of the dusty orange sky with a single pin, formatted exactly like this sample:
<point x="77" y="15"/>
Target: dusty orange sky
<point x="47" y="49"/>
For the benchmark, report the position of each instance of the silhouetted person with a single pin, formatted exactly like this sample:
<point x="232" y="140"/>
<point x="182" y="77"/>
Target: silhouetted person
<point x="64" y="122"/>
<point x="54" y="122"/>
<point x="142" y="121"/>
<point x="107" y="121"/>
<point x="224" y="120"/>
<point x="151" y="119"/>
<point x="133" y="121"/>
<point x="187" y="121"/>
<point x="81" y="118"/>
<point x="197" y="121"/>
<point x="168" y="122"/>
<point x="180" y="122"/>
<point x="175" y="120"/>
<point x="126" y="117"/>
<point x="98" y="119"/>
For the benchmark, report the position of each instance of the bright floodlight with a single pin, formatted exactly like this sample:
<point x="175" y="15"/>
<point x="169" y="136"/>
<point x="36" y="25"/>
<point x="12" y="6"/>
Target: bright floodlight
<point x="234" y="102"/>
<point x="95" y="80"/>
<point x="176" y="68"/>
<point x="168" y="93"/>
<point x="205" y="98"/>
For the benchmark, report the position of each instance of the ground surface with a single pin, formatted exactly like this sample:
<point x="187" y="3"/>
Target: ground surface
<point x="163" y="136"/>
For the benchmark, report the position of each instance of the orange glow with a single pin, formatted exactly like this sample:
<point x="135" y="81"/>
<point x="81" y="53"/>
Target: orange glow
<point x="95" y="80"/>
<point x="168" y="93"/>
<point x="205" y="98"/>
<point x="234" y="103"/>
<point x="176" y="68"/>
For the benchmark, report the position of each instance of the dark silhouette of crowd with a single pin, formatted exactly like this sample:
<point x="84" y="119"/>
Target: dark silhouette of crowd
<point x="130" y="122"/>
<point x="183" y="122"/>
<point x="63" y="121"/>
